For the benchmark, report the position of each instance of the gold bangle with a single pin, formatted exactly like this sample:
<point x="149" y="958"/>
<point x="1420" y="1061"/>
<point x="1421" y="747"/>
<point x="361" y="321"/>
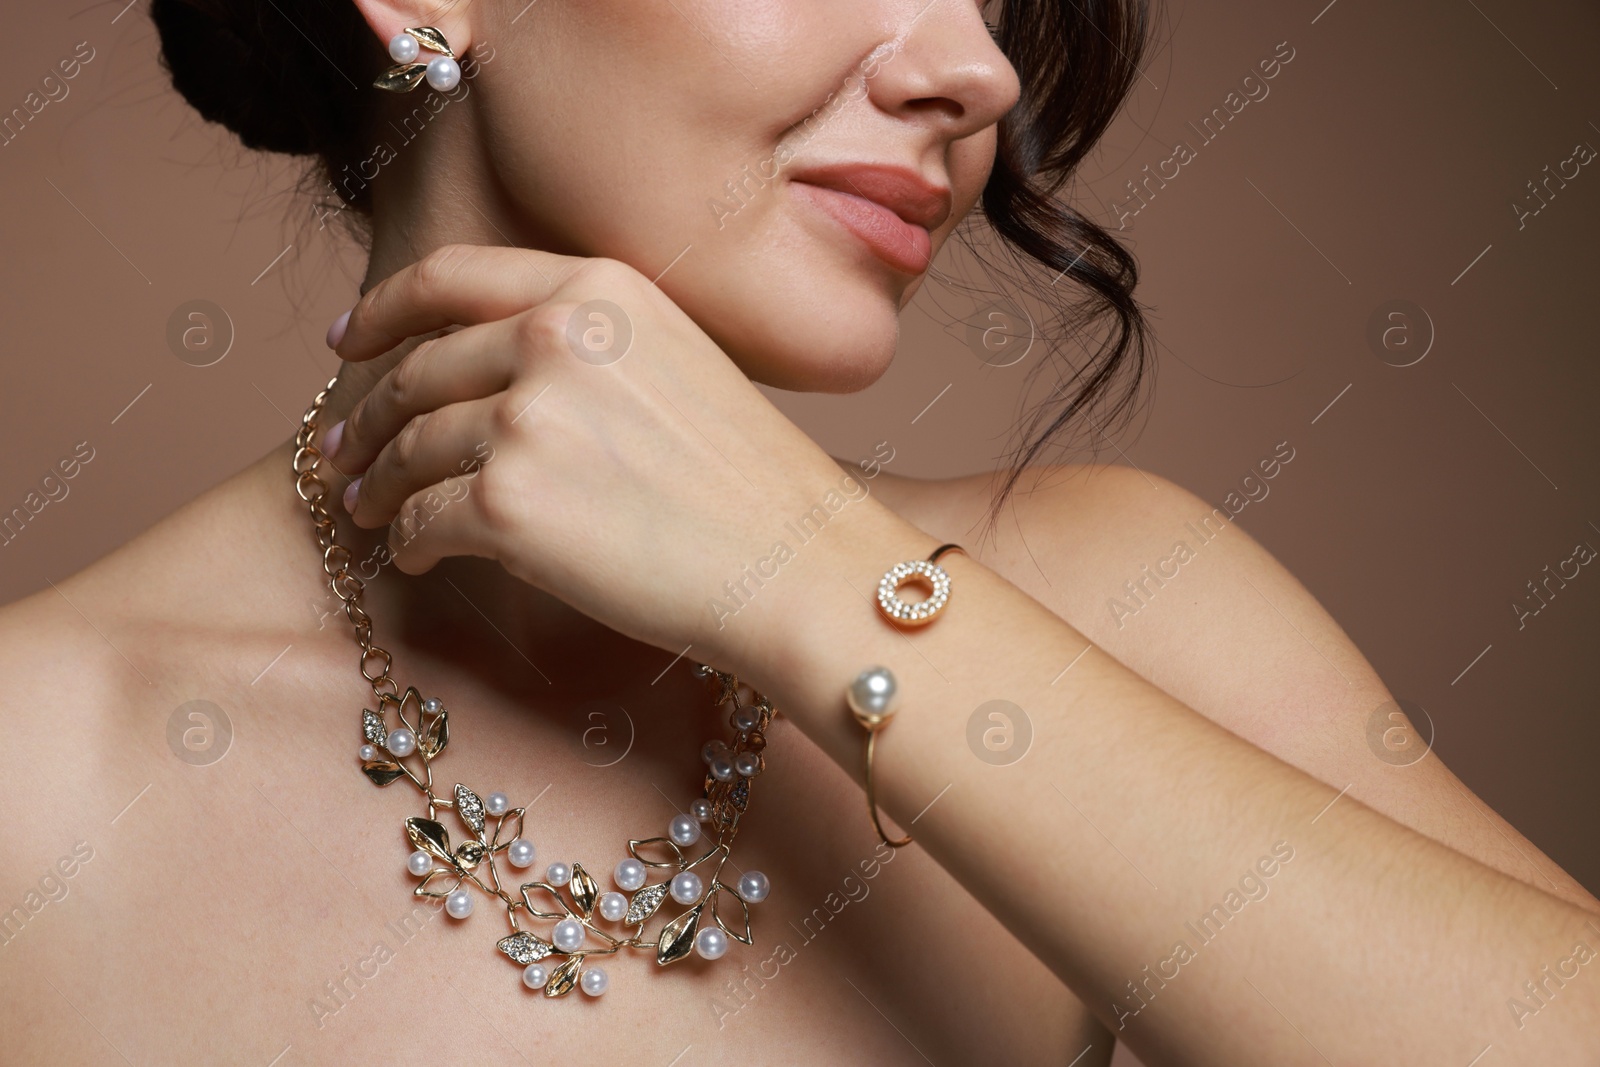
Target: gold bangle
<point x="874" y="696"/>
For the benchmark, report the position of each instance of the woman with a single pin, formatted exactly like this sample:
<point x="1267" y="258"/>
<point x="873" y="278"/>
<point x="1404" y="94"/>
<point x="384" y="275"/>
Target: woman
<point x="1172" y="835"/>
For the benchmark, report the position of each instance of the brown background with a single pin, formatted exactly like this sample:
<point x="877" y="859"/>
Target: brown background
<point x="1383" y="162"/>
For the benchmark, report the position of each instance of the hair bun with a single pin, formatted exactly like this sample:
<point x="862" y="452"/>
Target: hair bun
<point x="243" y="64"/>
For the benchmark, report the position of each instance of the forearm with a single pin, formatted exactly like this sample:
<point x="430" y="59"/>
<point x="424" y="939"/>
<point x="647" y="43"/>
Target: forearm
<point x="1131" y="818"/>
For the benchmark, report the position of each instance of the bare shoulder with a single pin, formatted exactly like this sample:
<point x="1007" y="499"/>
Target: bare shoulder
<point x="1175" y="588"/>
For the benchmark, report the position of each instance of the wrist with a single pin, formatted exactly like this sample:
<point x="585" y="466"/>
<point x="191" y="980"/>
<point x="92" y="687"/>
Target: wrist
<point x="783" y="620"/>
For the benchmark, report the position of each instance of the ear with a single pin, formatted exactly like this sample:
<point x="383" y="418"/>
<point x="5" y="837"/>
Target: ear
<point x="388" y="17"/>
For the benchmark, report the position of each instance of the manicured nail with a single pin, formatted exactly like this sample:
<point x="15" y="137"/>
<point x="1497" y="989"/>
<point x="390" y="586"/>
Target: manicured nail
<point x="351" y="492"/>
<point x="336" y="331"/>
<point x="330" y="443"/>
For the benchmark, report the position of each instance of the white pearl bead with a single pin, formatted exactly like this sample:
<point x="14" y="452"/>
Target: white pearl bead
<point x="433" y="705"/>
<point x="444" y="73"/>
<point x="496" y="803"/>
<point x="594" y="981"/>
<point x="753" y="887"/>
<point x="747" y="764"/>
<point x="686" y="887"/>
<point x="534" y="976"/>
<point x="401" y="742"/>
<point x="712" y="749"/>
<point x="722" y="768"/>
<point x="613" y="906"/>
<point x="521" y="853"/>
<point x="630" y="875"/>
<point x="419" y="863"/>
<point x="458" y="904"/>
<point x="368" y="753"/>
<point x="684" y="830"/>
<point x="711" y="943"/>
<point x="567" y="935"/>
<point x="558" y="874"/>
<point x="874" y="692"/>
<point x="701" y="809"/>
<point x="403" y="49"/>
<point x="745" y="719"/>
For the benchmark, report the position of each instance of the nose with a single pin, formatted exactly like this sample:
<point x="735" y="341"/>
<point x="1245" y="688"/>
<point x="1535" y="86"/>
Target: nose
<point x="944" y="69"/>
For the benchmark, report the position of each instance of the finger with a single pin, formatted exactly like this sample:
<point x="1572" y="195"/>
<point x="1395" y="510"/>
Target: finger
<point x="436" y="522"/>
<point x="461" y="366"/>
<point x="452" y="285"/>
<point x="451" y="442"/>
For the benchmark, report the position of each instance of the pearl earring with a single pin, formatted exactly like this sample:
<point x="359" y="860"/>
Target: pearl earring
<point x="442" y="71"/>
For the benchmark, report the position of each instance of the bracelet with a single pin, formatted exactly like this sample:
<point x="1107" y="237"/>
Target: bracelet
<point x="874" y="695"/>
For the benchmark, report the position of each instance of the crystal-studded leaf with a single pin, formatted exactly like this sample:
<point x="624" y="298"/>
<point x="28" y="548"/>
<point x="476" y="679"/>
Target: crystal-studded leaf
<point x="502" y="839"/>
<point x="435" y="735"/>
<point x="564" y="977"/>
<point x="524" y="948"/>
<point x="644" y="904"/>
<point x="382" y="771"/>
<point x="433" y="885"/>
<point x="469" y="807"/>
<point x="741" y="794"/>
<point x="677" y="937"/>
<point x="736" y="928"/>
<point x="470" y="853"/>
<point x="430" y="837"/>
<point x="545" y="887"/>
<point x="372" y="727"/>
<point x="583" y="889"/>
<point x="429" y="37"/>
<point x="677" y="853"/>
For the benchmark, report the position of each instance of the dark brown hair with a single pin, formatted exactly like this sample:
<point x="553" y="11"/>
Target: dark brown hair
<point x="286" y="76"/>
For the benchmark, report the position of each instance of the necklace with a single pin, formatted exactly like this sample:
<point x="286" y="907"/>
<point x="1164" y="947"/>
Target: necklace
<point x="582" y="914"/>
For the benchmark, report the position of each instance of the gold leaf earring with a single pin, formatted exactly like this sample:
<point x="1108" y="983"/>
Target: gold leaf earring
<point x="442" y="71"/>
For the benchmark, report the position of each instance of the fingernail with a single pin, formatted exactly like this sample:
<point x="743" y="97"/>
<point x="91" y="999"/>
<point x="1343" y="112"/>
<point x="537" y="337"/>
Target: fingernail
<point x="330" y="443"/>
<point x="336" y="331"/>
<point x="351" y="492"/>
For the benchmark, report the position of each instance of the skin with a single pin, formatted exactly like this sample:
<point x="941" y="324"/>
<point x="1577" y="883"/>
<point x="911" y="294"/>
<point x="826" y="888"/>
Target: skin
<point x="1163" y="765"/>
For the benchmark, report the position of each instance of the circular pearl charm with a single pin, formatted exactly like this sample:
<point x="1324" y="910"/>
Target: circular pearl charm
<point x="873" y="697"/>
<point x="458" y="904"/>
<point x="745" y="719"/>
<point x="419" y="863"/>
<point x="368" y="753"/>
<point x="630" y="875"/>
<point x="753" y="887"/>
<point x="747" y="764"/>
<point x="594" y="981"/>
<point x="521" y="853"/>
<point x="684" y="829"/>
<point x="722" y="768"/>
<point x="701" y="809"/>
<point x="712" y="749"/>
<point x="534" y="976"/>
<point x="711" y="943"/>
<point x="613" y="906"/>
<point x="686" y="887"/>
<point x="567" y="935"/>
<point x="401" y="742"/>
<point x="444" y="73"/>
<point x="403" y="49"/>
<point x="433" y="705"/>
<point x="496" y="803"/>
<point x="558" y="874"/>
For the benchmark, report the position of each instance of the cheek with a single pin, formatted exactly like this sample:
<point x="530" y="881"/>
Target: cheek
<point x="620" y="130"/>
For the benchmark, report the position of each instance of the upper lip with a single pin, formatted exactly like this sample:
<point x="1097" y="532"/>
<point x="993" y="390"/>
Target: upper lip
<point x="902" y="191"/>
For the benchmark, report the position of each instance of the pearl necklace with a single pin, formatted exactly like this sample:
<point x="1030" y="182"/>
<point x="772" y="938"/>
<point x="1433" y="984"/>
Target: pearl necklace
<point x="581" y="914"/>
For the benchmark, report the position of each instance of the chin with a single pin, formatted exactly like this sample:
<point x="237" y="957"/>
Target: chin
<point x="842" y="350"/>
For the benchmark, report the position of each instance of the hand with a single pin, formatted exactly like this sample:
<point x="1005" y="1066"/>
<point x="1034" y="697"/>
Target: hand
<point x="628" y="467"/>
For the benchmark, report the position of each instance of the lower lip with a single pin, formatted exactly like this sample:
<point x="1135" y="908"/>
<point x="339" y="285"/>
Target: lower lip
<point x="898" y="243"/>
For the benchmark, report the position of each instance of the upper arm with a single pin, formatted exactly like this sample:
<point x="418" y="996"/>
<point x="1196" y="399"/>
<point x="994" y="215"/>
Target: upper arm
<point x="1178" y="592"/>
